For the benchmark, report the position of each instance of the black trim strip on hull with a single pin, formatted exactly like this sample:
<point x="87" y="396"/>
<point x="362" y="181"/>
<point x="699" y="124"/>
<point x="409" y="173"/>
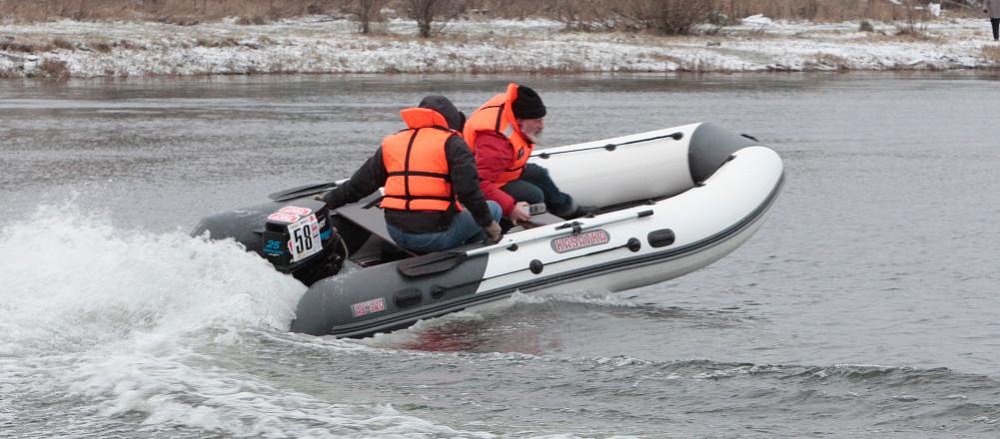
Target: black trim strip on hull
<point x="400" y="320"/>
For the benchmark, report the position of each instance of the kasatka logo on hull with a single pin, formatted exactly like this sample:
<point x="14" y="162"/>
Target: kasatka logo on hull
<point x="581" y="241"/>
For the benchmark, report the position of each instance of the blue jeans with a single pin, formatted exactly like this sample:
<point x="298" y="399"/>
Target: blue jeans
<point x="535" y="186"/>
<point x="463" y="230"/>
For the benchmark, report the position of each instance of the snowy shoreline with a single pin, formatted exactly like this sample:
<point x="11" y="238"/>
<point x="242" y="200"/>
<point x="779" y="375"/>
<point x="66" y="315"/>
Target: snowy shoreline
<point x="319" y="44"/>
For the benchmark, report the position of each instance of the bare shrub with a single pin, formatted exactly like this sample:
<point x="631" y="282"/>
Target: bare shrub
<point x="911" y="32"/>
<point x="912" y="16"/>
<point x="426" y="12"/>
<point x="55" y="69"/>
<point x="669" y="17"/>
<point x="102" y="47"/>
<point x="866" y="26"/>
<point x="184" y="12"/>
<point x="314" y="9"/>
<point x="840" y="10"/>
<point x="221" y="42"/>
<point x="992" y="54"/>
<point x="585" y="15"/>
<point x="250" y="21"/>
<point x="577" y="14"/>
<point x="697" y="66"/>
<point x="521" y="9"/>
<point x="831" y="60"/>
<point x="60" y="43"/>
<point x="913" y="27"/>
<point x="126" y="44"/>
<point x="367" y="11"/>
<point x="10" y="45"/>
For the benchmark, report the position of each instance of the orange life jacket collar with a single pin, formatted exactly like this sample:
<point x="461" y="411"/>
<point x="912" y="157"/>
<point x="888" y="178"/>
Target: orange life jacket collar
<point x="497" y="114"/>
<point x="423" y="118"/>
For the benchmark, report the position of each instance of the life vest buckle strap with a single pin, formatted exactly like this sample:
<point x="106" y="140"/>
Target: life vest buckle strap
<point x="445" y="177"/>
<point x="418" y="197"/>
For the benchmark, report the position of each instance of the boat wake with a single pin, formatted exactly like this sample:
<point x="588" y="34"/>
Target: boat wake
<point x="93" y="284"/>
<point x="151" y="330"/>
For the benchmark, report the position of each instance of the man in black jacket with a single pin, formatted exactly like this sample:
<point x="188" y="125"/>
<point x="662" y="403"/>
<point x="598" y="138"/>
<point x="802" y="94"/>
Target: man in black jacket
<point x="424" y="183"/>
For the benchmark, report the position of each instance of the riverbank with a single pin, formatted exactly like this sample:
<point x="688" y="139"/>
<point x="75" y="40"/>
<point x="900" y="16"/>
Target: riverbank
<point x="323" y="44"/>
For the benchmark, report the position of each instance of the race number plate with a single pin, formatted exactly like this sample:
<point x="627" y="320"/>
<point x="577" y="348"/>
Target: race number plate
<point x="305" y="240"/>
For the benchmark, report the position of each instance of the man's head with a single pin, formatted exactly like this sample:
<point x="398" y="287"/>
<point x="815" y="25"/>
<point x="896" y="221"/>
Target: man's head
<point x="441" y="104"/>
<point x="530" y="113"/>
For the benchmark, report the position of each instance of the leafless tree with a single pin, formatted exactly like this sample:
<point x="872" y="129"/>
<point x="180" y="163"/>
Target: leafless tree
<point x="367" y="11"/>
<point x="582" y="14"/>
<point x="425" y="12"/>
<point x="669" y="17"/>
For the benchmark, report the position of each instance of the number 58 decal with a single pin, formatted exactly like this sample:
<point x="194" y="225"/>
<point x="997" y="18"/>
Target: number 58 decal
<point x="305" y="239"/>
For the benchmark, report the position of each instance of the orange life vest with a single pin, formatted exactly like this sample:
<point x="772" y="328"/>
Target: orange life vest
<point x="416" y="164"/>
<point x="497" y="114"/>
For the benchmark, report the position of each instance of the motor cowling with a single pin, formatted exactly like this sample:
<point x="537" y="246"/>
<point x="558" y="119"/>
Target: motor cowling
<point x="297" y="237"/>
<point x="301" y="240"/>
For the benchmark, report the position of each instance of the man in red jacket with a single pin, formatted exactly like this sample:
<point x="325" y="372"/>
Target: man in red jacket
<point x="503" y="133"/>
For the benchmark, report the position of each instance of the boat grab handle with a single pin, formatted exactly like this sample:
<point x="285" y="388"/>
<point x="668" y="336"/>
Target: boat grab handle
<point x="570" y="228"/>
<point x="611" y="146"/>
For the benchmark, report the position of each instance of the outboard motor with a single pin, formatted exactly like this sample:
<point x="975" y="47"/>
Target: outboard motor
<point x="297" y="237"/>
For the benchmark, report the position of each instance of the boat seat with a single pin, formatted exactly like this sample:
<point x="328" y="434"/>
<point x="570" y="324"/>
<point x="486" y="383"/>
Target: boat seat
<point x="377" y="251"/>
<point x="541" y="219"/>
<point x="364" y="213"/>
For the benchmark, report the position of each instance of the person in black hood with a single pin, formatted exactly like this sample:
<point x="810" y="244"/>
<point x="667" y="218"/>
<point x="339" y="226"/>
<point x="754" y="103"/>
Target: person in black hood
<point x="992" y="8"/>
<point x="432" y="201"/>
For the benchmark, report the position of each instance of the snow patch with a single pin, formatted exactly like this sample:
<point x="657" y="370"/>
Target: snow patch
<point x="325" y="45"/>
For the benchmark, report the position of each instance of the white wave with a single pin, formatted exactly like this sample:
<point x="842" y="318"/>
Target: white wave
<point x="125" y="322"/>
<point x="171" y="391"/>
<point x="73" y="282"/>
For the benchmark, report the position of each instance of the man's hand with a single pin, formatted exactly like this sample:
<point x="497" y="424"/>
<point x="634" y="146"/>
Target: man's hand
<point x="319" y="196"/>
<point x="520" y="212"/>
<point x="493" y="233"/>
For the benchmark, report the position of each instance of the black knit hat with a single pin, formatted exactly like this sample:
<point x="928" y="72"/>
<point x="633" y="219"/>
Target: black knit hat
<point x="528" y="104"/>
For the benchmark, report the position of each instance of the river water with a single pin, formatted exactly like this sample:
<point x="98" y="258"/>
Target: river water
<point x="866" y="306"/>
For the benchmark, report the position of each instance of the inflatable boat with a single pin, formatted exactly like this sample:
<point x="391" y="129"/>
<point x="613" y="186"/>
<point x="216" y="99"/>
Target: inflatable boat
<point x="668" y="202"/>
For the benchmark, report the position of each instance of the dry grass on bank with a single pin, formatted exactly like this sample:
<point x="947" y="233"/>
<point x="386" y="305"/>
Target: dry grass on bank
<point x="15" y="46"/>
<point x="816" y="10"/>
<point x="172" y="11"/>
<point x="55" y="69"/>
<point x="37" y="45"/>
<point x="835" y="61"/>
<point x="992" y="54"/>
<point x="261" y="11"/>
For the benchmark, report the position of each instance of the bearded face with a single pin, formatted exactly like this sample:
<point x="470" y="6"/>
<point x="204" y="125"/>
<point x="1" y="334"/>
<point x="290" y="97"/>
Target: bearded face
<point x="532" y="128"/>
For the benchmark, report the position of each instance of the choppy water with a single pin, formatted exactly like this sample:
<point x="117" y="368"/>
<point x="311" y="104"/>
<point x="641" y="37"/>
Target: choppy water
<point x="867" y="306"/>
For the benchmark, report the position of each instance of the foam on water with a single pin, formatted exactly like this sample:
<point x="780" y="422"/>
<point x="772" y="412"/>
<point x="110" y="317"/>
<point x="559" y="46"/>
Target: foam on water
<point x="73" y="282"/>
<point x="123" y="323"/>
<point x="613" y="300"/>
